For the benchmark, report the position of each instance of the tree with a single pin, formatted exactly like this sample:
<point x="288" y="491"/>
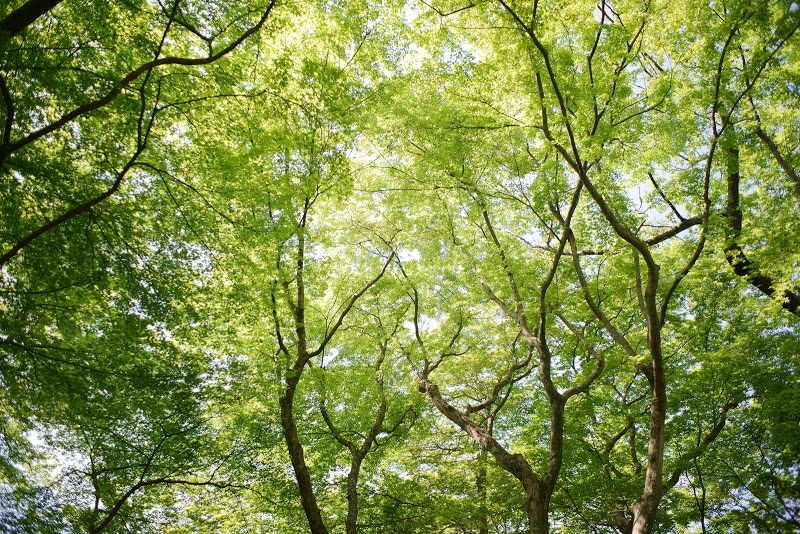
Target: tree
<point x="435" y="267"/>
<point x="97" y="281"/>
<point x="586" y="86"/>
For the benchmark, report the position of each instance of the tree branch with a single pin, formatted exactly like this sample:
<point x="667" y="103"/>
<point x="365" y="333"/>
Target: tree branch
<point x="734" y="254"/>
<point x="685" y="459"/>
<point x="5" y="150"/>
<point x="329" y="335"/>
<point x="25" y="15"/>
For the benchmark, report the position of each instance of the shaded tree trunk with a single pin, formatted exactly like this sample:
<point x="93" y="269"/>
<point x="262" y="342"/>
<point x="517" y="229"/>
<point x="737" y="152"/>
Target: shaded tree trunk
<point x="480" y="486"/>
<point x="292" y="378"/>
<point x="351" y="523"/>
<point x="296" y="454"/>
<point x="536" y="507"/>
<point x="25" y="15"/>
<point x="734" y="254"/>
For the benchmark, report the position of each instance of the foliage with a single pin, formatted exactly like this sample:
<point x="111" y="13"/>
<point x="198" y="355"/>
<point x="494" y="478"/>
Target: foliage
<point x="399" y="267"/>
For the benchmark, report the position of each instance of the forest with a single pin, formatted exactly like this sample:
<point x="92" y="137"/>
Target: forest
<point x="417" y="266"/>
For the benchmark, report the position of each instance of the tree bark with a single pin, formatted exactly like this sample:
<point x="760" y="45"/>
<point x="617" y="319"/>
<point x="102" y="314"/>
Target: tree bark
<point x="297" y="456"/>
<point x="351" y="523"/>
<point x="645" y="507"/>
<point x="785" y="165"/>
<point x="23" y="16"/>
<point x="734" y="254"/>
<point x="480" y="486"/>
<point x="536" y="508"/>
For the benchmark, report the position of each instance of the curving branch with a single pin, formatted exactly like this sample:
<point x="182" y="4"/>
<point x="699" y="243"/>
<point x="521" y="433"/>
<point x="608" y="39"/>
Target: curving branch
<point x="787" y="167"/>
<point x="685" y="459"/>
<point x="535" y="488"/>
<point x="302" y="355"/>
<point x="734" y="254"/>
<point x="587" y="296"/>
<point x="684" y="225"/>
<point x="583" y="387"/>
<point x="144" y="128"/>
<point x="353" y="299"/>
<point x="664" y="197"/>
<point x="444" y="14"/>
<point x="7" y="149"/>
<point x="776" y="153"/>
<point x="504" y="383"/>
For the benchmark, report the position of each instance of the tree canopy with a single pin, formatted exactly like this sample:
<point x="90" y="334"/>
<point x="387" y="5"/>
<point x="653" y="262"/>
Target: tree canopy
<point x="438" y="266"/>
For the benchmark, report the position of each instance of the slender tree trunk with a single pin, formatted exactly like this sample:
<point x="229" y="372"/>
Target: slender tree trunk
<point x="480" y="486"/>
<point x="645" y="507"/>
<point x="297" y="457"/>
<point x="351" y="522"/>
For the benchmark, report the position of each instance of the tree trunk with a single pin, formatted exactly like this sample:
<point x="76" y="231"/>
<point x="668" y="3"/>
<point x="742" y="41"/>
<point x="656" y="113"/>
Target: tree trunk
<point x="645" y="507"/>
<point x="734" y="254"/>
<point x="352" y="496"/>
<point x="536" y="507"/>
<point x="295" y="448"/>
<point x="480" y="486"/>
<point x="22" y="17"/>
<point x="537" y="492"/>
